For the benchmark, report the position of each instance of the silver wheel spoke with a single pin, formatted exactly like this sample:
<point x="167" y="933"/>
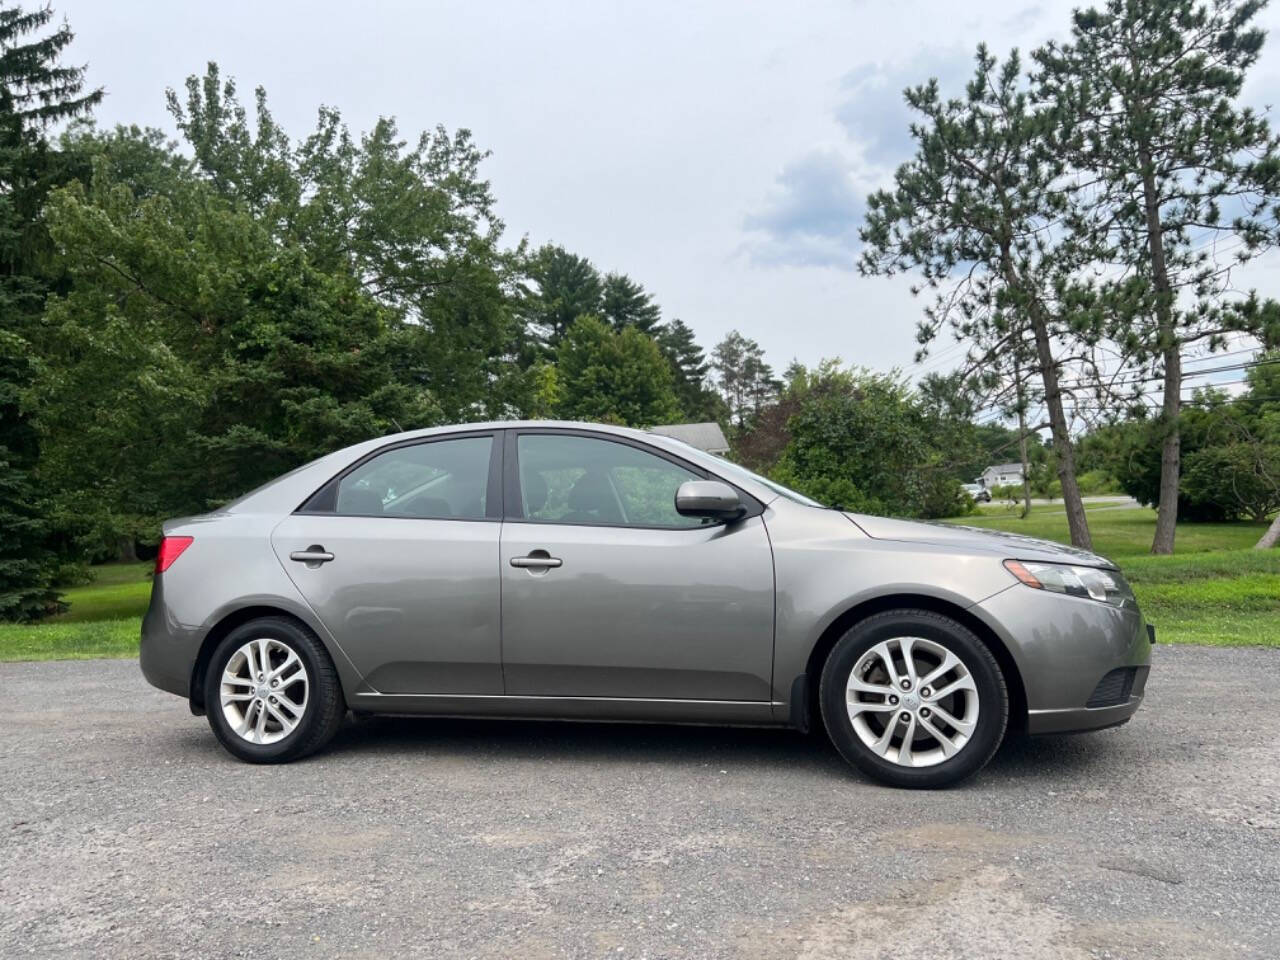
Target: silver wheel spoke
<point x="886" y="657"/>
<point x="906" y="644"/>
<point x="904" y="751"/>
<point x="949" y="663"/>
<point x="893" y="692"/>
<point x="861" y="707"/>
<point x="285" y="723"/>
<point x="882" y="744"/>
<point x="858" y="686"/>
<point x="247" y="701"/>
<point x="292" y="664"/>
<point x="962" y="726"/>
<point x="948" y="745"/>
<point x="246" y="728"/>
<point x="961" y="683"/>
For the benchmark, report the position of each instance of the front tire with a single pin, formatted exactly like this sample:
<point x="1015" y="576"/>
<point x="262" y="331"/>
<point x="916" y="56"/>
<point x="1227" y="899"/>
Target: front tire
<point x="914" y="699"/>
<point x="271" y="692"/>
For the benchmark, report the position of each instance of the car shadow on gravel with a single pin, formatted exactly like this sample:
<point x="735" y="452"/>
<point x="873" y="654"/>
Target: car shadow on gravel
<point x="583" y="742"/>
<point x="1047" y="760"/>
<point x="1065" y="759"/>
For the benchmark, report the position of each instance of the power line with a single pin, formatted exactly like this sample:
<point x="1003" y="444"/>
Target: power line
<point x="1075" y="384"/>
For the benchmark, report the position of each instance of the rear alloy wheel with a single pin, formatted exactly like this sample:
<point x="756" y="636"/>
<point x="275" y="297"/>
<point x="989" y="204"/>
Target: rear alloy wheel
<point x="914" y="699"/>
<point x="263" y="691"/>
<point x="271" y="692"/>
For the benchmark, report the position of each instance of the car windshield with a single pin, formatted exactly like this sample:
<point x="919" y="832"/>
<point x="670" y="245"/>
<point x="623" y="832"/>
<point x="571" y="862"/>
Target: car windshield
<point x="732" y="468"/>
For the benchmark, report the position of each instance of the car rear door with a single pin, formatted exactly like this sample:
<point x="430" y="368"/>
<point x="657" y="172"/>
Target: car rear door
<point x="608" y="592"/>
<point x="398" y="556"/>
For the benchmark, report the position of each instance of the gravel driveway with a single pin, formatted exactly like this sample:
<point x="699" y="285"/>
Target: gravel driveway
<point x="128" y="832"/>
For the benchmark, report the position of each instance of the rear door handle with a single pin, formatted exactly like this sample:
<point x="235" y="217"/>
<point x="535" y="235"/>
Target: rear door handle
<point x="314" y="555"/>
<point x="536" y="562"/>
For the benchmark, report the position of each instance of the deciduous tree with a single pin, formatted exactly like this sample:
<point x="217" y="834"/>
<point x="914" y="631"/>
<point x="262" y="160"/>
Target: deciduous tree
<point x="413" y="223"/>
<point x="614" y="376"/>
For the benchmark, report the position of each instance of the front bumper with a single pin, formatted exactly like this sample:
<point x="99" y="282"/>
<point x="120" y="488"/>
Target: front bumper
<point x="1082" y="719"/>
<point x="1064" y="648"/>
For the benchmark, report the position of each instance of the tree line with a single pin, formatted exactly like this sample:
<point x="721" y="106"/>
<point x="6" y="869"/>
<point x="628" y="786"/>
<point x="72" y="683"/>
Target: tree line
<point x="186" y="315"/>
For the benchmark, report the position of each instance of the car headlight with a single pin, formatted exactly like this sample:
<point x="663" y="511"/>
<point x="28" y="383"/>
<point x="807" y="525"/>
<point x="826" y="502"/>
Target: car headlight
<point x="1090" y="583"/>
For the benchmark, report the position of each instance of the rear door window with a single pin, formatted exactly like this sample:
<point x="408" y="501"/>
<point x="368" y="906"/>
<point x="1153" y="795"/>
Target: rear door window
<point x="439" y="480"/>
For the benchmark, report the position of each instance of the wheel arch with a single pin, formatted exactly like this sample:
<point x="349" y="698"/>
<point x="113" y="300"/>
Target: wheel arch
<point x="919" y="601"/>
<point x="215" y="635"/>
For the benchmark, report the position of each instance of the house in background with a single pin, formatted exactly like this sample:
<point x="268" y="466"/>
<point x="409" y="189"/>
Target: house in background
<point x="704" y="436"/>
<point x="1001" y="475"/>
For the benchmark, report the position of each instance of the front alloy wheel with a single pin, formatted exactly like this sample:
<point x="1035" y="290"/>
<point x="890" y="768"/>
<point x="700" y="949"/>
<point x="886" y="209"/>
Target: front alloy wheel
<point x="914" y="698"/>
<point x="912" y="701"/>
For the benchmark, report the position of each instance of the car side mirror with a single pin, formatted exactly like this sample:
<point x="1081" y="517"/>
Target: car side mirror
<point x="709" y="498"/>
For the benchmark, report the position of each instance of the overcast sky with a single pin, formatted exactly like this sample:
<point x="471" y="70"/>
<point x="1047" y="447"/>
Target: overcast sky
<point x="718" y="152"/>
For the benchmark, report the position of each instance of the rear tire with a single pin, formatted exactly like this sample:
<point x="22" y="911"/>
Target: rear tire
<point x="271" y="692"/>
<point x="928" y="724"/>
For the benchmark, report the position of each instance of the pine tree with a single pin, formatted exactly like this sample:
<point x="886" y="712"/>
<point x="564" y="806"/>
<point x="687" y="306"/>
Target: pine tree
<point x="1146" y="96"/>
<point x="35" y="92"/>
<point x="690" y="366"/>
<point x="626" y="304"/>
<point x="26" y="564"/>
<point x="746" y="381"/>
<point x="973" y="212"/>
<point x="568" y="287"/>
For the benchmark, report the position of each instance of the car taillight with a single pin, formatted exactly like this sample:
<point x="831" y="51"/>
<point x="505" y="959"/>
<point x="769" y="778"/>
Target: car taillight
<point x="170" y="550"/>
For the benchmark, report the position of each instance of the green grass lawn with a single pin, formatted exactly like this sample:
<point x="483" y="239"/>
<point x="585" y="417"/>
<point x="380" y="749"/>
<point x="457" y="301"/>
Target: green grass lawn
<point x="1215" y="590"/>
<point x="58" y="640"/>
<point x="1118" y="533"/>
<point x="119" y="590"/>
<point x="104" y="619"/>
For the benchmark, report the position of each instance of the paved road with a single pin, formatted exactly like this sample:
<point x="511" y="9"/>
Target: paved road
<point x="126" y="832"/>
<point x="1097" y="503"/>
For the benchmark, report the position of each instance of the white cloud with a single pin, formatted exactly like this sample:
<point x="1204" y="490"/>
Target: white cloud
<point x="813" y="216"/>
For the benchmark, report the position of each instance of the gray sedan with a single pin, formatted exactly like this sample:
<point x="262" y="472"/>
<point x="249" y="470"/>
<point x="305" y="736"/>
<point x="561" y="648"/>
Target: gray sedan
<point x="563" y="570"/>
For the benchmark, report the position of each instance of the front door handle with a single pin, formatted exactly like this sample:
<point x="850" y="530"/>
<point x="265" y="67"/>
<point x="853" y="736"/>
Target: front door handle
<point x="313" y="556"/>
<point x="537" y="562"/>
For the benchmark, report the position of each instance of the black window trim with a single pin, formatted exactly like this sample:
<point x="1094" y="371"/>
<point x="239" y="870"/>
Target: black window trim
<point x="514" y="503"/>
<point x="324" y="501"/>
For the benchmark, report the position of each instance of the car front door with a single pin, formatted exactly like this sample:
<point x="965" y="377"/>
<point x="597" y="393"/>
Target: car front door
<point x="398" y="556"/>
<point x="608" y="592"/>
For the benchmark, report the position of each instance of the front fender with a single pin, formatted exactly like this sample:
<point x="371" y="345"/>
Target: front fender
<point x="825" y="566"/>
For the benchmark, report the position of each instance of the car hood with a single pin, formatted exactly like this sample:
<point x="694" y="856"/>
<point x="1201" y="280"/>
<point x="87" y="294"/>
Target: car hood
<point x="1011" y="545"/>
